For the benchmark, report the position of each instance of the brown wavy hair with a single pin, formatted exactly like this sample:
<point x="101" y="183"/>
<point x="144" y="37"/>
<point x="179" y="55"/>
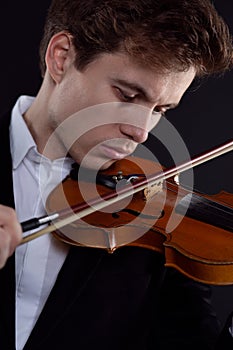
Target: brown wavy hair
<point x="164" y="34"/>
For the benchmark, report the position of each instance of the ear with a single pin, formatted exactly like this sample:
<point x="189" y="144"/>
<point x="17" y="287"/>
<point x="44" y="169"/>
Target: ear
<point x="59" y="55"/>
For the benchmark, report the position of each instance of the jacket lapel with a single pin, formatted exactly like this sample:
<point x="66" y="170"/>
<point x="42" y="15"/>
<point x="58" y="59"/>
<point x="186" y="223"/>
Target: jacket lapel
<point x="7" y="275"/>
<point x="6" y="181"/>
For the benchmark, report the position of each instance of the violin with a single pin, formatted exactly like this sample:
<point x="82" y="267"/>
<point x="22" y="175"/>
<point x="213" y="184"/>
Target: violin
<point x="136" y="202"/>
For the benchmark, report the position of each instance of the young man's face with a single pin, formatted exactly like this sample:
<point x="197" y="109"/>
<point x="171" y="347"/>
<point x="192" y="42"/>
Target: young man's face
<point x="102" y="113"/>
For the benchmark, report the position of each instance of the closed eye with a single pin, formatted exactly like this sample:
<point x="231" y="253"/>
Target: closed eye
<point x="160" y="111"/>
<point x="163" y="109"/>
<point x="130" y="97"/>
<point x="123" y="96"/>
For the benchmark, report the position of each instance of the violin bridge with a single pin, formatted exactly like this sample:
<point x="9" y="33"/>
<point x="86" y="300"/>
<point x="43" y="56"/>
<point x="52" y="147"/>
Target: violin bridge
<point x="152" y="190"/>
<point x="177" y="179"/>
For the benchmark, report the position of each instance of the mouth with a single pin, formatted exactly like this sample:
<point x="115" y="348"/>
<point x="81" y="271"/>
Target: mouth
<point x="115" y="153"/>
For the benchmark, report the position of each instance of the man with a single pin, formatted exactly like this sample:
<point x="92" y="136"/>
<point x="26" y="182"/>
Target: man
<point x="96" y="54"/>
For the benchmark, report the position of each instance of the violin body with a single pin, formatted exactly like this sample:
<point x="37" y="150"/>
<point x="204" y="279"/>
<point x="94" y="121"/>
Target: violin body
<point x="149" y="219"/>
<point x="113" y="227"/>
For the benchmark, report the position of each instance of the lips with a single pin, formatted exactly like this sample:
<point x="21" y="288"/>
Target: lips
<point x="114" y="153"/>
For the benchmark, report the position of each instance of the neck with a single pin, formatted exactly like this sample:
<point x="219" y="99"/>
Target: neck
<point x="37" y="120"/>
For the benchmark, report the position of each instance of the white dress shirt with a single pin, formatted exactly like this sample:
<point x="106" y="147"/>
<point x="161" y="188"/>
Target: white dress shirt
<point x="39" y="261"/>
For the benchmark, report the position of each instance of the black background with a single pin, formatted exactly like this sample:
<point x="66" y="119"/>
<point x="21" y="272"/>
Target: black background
<point x="204" y="118"/>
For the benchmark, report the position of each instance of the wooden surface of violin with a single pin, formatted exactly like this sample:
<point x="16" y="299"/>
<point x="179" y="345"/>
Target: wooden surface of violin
<point x="192" y="230"/>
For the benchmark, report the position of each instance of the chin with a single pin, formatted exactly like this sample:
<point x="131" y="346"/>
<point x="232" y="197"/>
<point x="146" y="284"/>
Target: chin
<point x="96" y="164"/>
<point x="107" y="164"/>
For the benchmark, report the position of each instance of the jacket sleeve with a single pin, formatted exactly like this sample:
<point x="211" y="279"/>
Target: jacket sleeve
<point x="186" y="317"/>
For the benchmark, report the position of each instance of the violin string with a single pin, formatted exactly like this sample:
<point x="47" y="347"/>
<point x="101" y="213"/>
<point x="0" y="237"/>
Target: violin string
<point x="212" y="202"/>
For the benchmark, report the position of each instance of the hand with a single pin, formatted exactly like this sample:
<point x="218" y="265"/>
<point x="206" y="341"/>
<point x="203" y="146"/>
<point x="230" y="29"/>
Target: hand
<point x="10" y="233"/>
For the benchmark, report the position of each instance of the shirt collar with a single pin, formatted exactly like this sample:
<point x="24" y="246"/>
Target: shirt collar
<point x="19" y="131"/>
<point x="21" y="141"/>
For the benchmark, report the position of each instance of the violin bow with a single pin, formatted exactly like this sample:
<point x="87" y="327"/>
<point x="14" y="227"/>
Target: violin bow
<point x="96" y="204"/>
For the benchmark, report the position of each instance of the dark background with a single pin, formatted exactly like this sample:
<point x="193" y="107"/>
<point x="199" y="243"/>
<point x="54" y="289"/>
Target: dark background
<point x="204" y="118"/>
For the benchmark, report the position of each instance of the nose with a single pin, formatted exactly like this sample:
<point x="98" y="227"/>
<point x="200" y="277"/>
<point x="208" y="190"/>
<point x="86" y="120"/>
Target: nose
<point x="135" y="133"/>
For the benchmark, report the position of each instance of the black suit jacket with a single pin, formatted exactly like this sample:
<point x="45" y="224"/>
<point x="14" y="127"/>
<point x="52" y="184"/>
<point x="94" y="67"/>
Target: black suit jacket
<point x="125" y="300"/>
<point x="225" y="340"/>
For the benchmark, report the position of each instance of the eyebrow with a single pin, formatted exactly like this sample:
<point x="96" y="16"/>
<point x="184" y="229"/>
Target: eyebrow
<point x="138" y="88"/>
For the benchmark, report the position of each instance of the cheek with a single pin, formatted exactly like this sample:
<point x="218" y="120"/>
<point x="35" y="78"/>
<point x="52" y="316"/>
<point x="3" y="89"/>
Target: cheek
<point x="68" y="98"/>
<point x="90" y="140"/>
<point x="84" y="144"/>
